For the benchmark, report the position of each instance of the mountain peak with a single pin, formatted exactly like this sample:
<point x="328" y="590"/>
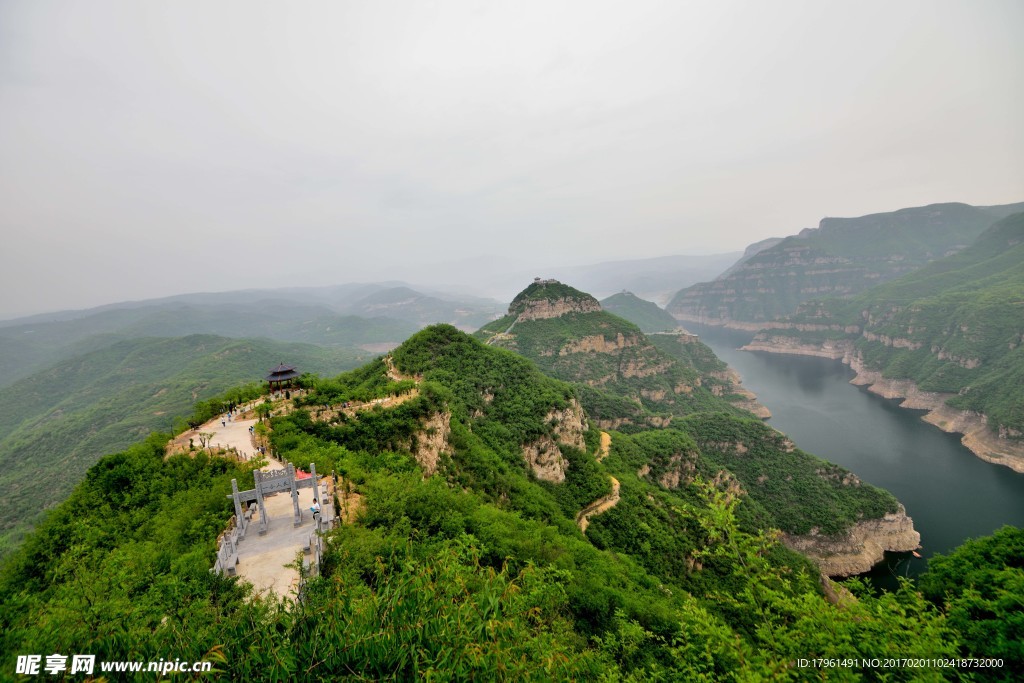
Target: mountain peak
<point x="550" y="299"/>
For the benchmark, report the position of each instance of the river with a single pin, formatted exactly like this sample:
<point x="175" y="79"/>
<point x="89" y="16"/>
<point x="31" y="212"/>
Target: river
<point x="950" y="494"/>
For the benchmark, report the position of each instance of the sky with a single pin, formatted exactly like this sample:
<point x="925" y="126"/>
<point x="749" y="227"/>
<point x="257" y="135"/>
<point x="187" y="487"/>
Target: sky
<point x="149" y="149"/>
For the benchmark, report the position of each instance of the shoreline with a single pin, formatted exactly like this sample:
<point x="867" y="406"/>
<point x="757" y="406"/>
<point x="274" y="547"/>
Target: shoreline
<point x="860" y="548"/>
<point x="976" y="435"/>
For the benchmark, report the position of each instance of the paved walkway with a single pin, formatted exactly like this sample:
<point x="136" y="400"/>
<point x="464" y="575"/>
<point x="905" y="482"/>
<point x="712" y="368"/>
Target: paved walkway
<point x="263" y="559"/>
<point x="233" y="434"/>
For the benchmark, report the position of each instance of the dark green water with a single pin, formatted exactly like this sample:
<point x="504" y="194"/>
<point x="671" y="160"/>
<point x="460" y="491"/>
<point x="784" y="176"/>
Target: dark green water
<point x="950" y="494"/>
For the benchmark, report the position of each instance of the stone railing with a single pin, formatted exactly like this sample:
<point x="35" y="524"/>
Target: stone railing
<point x="227" y="547"/>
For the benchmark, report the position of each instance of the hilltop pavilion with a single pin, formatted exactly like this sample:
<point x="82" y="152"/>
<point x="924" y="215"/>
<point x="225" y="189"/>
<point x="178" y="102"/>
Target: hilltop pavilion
<point x="281" y="376"/>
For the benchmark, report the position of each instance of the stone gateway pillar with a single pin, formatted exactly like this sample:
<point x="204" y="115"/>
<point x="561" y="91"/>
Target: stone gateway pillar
<point x="239" y="517"/>
<point x="295" y="494"/>
<point x="258" y="475"/>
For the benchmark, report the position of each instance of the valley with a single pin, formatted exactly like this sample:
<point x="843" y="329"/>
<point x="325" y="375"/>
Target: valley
<point x="499" y="341"/>
<point x="951" y="494"/>
<point x="596" y="444"/>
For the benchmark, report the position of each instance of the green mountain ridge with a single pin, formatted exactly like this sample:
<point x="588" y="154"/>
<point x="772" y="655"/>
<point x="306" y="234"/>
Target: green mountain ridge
<point x="374" y="316"/>
<point x="956" y="326"/>
<point x="57" y="423"/>
<point x="628" y="379"/>
<point x="842" y="257"/>
<point x="32" y="347"/>
<point x="479" y="571"/>
<point x="646" y="315"/>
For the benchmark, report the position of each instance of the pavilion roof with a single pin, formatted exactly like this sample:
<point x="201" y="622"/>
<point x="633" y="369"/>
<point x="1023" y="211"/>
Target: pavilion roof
<point x="282" y="372"/>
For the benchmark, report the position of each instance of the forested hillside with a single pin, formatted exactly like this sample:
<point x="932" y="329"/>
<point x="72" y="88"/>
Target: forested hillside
<point x="842" y="257"/>
<point x="57" y="423"/>
<point x="465" y="559"/>
<point x="646" y="315"/>
<point x="568" y="335"/>
<point x="954" y="327"/>
<point x="31" y="347"/>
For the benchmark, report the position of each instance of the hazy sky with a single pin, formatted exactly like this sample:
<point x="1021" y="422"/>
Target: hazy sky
<point x="154" y="148"/>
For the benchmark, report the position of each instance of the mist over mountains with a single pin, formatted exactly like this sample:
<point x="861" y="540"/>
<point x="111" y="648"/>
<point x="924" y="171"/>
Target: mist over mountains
<point x="593" y="441"/>
<point x="842" y="257"/>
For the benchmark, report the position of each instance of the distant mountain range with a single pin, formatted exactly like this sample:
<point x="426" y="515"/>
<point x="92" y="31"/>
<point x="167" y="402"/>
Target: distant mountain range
<point x="842" y="257"/>
<point x="373" y="316"/>
<point x="58" y="422"/>
<point x="950" y="336"/>
<point x="655" y="279"/>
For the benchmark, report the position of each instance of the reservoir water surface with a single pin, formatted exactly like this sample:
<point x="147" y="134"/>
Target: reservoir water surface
<point x="950" y="494"/>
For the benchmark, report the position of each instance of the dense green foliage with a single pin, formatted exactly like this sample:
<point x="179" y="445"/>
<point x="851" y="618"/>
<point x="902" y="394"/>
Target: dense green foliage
<point x="627" y="364"/>
<point x="478" y="572"/>
<point x="548" y="290"/>
<point x="646" y="315"/>
<point x="799" y="490"/>
<point x="432" y="582"/>
<point x="953" y="326"/>
<point x="980" y="587"/>
<point x="842" y="257"/>
<point x="55" y="424"/>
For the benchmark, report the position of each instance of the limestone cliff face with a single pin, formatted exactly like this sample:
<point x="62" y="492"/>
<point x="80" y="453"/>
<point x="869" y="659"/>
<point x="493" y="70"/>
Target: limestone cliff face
<point x="834" y="349"/>
<point x="1000" y="448"/>
<point x="598" y="344"/>
<point x="656" y="421"/>
<point x="680" y="471"/>
<point x="432" y="441"/>
<point x="747" y="399"/>
<point x="545" y="460"/>
<point x="842" y="257"/>
<point x="997" y="448"/>
<point x="567" y="427"/>
<point x="860" y="548"/>
<point x="540" y="309"/>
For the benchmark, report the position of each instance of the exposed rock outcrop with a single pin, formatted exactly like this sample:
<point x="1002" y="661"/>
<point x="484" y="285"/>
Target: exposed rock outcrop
<point x="860" y="548"/>
<point x="996" y="448"/>
<point x="834" y="349"/>
<point x="567" y="427"/>
<point x="748" y="399"/>
<point x="545" y="460"/>
<point x="598" y="344"/>
<point x="432" y="441"/>
<point x="569" y="424"/>
<point x="539" y="309"/>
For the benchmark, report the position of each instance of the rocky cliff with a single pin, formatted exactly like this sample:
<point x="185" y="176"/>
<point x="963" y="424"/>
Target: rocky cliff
<point x="1001" y="446"/>
<point x="432" y="441"/>
<point x="546" y="299"/>
<point x="543" y="455"/>
<point x="543" y="308"/>
<point x="860" y="548"/>
<point x="842" y="257"/>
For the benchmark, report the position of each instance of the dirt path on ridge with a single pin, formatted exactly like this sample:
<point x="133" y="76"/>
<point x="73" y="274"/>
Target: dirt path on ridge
<point x="606" y="444"/>
<point x="602" y="504"/>
<point x="394" y="374"/>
